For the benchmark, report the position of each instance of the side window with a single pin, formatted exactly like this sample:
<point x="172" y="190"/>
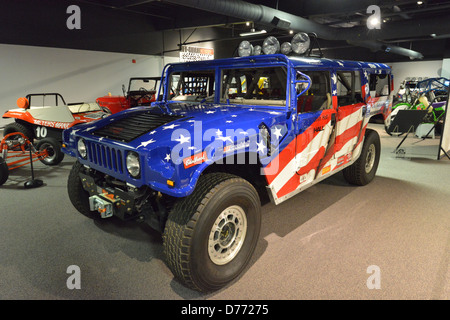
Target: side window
<point x="318" y="96"/>
<point x="379" y="85"/>
<point x="192" y="86"/>
<point x="254" y="86"/>
<point x="349" y="87"/>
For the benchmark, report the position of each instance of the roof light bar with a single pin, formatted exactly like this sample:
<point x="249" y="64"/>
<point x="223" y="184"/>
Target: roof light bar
<point x="299" y="44"/>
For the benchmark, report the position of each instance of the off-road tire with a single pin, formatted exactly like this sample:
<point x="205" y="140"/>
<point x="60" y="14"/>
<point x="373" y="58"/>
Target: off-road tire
<point x="364" y="169"/>
<point x="19" y="127"/>
<point x="77" y="195"/>
<point x="194" y="221"/>
<point x="53" y="146"/>
<point x="4" y="171"/>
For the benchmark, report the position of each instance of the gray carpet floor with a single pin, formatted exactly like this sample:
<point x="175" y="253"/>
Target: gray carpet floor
<point x="321" y="244"/>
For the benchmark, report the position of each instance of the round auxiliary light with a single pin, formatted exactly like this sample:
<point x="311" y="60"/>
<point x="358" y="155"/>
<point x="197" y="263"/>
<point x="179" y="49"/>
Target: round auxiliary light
<point x="82" y="150"/>
<point x="286" y="48"/>
<point x="245" y="49"/>
<point x="257" y="50"/>
<point x="133" y="164"/>
<point x="271" y="45"/>
<point x="300" y="43"/>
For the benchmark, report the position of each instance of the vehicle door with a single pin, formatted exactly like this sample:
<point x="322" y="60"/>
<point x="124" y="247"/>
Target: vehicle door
<point x="350" y="114"/>
<point x="315" y="118"/>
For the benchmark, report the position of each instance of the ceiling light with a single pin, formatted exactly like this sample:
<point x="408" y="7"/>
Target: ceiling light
<point x="252" y="33"/>
<point x="419" y="2"/>
<point x="373" y="22"/>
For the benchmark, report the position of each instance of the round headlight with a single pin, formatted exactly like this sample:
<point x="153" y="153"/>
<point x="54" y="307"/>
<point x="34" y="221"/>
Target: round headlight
<point x="245" y="49"/>
<point x="300" y="43"/>
<point x="257" y="50"/>
<point x="286" y="48"/>
<point x="82" y="150"/>
<point x="271" y="45"/>
<point x="133" y="164"/>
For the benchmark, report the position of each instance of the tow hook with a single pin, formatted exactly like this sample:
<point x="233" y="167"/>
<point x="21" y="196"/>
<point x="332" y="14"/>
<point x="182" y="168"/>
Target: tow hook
<point x="102" y="204"/>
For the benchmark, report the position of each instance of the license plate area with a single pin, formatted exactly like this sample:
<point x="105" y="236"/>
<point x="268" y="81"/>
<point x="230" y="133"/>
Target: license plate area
<point x="108" y="201"/>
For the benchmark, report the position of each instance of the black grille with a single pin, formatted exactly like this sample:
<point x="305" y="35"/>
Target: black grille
<point x="132" y="127"/>
<point x="106" y="157"/>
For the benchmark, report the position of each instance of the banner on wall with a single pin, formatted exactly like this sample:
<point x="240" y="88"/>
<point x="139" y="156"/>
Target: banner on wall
<point x="189" y="53"/>
<point x="444" y="146"/>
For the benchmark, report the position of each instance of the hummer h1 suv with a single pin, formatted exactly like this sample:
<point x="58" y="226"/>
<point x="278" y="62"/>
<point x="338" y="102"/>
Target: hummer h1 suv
<point x="225" y="133"/>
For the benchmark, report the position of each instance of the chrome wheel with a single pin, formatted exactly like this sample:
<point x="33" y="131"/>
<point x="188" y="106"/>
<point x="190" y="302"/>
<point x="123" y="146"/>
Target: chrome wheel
<point x="51" y="153"/>
<point x="370" y="158"/>
<point x="227" y="235"/>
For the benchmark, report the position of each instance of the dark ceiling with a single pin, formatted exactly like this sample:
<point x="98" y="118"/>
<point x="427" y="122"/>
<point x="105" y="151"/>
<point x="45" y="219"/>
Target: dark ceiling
<point x="409" y="29"/>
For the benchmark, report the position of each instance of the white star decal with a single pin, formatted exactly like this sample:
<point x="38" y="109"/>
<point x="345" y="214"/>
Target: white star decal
<point x="229" y="121"/>
<point x="146" y="143"/>
<point x="225" y="139"/>
<point x="167" y="158"/>
<point x="219" y="133"/>
<point x="261" y="147"/>
<point x="277" y="133"/>
<point x="210" y="112"/>
<point x="234" y="115"/>
<point x="334" y="78"/>
<point x="170" y="127"/>
<point x="183" y="139"/>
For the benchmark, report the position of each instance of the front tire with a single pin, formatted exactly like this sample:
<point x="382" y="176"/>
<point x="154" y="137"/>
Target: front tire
<point x="77" y="195"/>
<point x="18" y="127"/>
<point x="210" y="235"/>
<point x="4" y="171"/>
<point x="364" y="169"/>
<point x="53" y="148"/>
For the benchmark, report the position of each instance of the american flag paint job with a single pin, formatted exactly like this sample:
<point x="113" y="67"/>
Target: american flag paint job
<point x="310" y="146"/>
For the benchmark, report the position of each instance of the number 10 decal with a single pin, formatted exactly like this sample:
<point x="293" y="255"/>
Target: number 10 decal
<point x="41" y="132"/>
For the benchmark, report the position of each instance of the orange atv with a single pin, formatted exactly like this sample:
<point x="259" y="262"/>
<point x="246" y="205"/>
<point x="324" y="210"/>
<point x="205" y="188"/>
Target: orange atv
<point x="45" y="116"/>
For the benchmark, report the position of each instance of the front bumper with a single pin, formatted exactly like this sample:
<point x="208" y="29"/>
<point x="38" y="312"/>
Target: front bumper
<point x="109" y="201"/>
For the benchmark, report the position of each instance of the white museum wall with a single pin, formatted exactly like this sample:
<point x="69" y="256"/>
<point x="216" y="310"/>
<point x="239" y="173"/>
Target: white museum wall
<point x="78" y="75"/>
<point x="446" y="68"/>
<point x="402" y="70"/>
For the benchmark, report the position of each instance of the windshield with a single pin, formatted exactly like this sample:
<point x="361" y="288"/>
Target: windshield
<point x="254" y="86"/>
<point x="144" y="84"/>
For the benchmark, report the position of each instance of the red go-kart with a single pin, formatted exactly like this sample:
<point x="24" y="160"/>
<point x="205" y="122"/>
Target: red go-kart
<point x="141" y="92"/>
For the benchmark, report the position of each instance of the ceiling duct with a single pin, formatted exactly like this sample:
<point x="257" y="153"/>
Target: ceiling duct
<point x="272" y="17"/>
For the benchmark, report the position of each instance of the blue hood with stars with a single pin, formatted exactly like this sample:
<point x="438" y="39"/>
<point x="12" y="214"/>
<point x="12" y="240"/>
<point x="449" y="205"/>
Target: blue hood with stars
<point x="178" y="146"/>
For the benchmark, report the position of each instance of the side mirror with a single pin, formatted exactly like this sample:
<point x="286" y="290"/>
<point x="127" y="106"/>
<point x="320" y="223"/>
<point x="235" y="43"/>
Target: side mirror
<point x="124" y="90"/>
